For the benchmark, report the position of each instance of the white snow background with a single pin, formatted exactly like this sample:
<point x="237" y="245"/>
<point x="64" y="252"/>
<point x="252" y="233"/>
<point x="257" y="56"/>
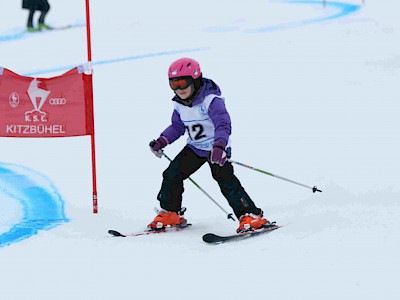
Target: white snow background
<point x="313" y="94"/>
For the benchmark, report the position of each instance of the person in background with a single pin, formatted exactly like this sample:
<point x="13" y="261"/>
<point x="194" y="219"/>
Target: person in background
<point x="199" y="110"/>
<point x="33" y="5"/>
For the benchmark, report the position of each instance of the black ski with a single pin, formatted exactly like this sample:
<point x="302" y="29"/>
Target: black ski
<point x="212" y="238"/>
<point x="149" y="231"/>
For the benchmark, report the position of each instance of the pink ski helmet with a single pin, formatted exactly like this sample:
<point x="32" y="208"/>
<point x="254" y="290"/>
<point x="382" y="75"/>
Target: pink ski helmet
<point x="184" y="67"/>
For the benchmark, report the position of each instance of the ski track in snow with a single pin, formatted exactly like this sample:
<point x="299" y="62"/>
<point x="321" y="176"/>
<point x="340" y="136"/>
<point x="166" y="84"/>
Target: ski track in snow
<point x="340" y="10"/>
<point x="19" y="33"/>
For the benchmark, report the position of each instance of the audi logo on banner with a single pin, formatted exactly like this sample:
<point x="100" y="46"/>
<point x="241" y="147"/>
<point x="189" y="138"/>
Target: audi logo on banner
<point x="58" y="101"/>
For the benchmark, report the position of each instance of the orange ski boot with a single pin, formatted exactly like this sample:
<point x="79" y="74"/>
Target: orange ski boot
<point x="166" y="218"/>
<point x="250" y="222"/>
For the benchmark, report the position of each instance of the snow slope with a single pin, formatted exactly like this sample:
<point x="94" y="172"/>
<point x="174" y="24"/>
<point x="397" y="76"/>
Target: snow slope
<point x="313" y="94"/>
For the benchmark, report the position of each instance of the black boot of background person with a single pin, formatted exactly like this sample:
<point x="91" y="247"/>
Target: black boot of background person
<point x="42" y="25"/>
<point x="29" y="25"/>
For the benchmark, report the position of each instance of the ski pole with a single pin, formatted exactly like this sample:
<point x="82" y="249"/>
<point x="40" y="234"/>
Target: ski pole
<point x="229" y="216"/>
<point x="314" y="188"/>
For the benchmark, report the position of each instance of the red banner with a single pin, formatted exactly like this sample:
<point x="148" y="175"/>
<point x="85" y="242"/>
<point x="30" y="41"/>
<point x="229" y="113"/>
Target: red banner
<point x="46" y="107"/>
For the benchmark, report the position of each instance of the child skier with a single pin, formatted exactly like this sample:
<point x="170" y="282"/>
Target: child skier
<point x="200" y="110"/>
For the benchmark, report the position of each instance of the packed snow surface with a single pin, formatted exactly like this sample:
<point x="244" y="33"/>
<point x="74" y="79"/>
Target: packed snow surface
<point x="313" y="92"/>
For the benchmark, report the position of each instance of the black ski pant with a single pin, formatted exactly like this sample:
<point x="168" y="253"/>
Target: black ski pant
<point x="185" y="164"/>
<point x="44" y="10"/>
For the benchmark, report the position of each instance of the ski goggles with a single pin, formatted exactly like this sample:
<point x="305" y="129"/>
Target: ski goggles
<point x="180" y="83"/>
